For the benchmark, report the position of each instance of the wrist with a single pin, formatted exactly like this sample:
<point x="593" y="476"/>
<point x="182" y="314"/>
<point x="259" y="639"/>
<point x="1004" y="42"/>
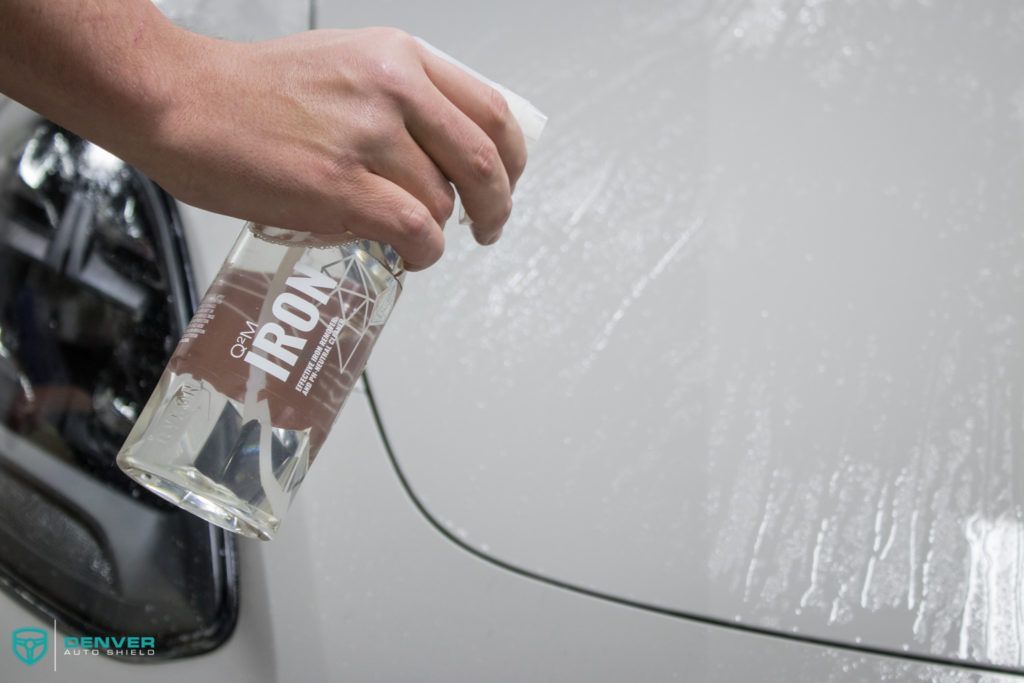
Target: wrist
<point x="187" y="110"/>
<point x="157" y="90"/>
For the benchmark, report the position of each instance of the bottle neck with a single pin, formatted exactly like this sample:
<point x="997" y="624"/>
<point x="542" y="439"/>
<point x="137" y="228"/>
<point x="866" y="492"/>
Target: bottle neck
<point x="381" y="252"/>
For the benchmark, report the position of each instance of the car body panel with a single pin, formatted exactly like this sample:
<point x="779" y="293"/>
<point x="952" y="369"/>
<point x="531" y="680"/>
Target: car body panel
<point x="358" y="586"/>
<point x="750" y="347"/>
<point x="387" y="598"/>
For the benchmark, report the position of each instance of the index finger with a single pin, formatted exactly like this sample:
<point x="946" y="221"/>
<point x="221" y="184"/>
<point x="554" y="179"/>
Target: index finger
<point x="485" y="106"/>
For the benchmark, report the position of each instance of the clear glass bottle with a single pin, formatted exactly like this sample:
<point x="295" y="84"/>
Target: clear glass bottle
<point x="260" y="374"/>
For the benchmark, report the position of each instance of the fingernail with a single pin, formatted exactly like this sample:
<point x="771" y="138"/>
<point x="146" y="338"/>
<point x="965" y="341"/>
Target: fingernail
<point x="494" y="238"/>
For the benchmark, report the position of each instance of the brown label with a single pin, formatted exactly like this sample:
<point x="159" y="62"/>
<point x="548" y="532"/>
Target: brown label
<point x="302" y="340"/>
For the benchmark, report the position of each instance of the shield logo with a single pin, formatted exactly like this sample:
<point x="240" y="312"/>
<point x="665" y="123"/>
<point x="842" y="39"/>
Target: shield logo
<point x="29" y="644"/>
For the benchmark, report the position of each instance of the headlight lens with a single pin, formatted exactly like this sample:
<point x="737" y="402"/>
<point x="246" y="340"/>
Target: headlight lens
<point x="94" y="292"/>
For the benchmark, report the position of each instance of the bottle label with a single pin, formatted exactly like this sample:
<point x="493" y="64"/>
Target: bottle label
<point x="274" y="350"/>
<point x="299" y="338"/>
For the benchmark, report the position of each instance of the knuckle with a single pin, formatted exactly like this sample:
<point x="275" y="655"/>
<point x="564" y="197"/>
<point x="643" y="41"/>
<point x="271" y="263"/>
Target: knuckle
<point x="498" y="113"/>
<point x="391" y="58"/>
<point x="415" y="224"/>
<point x="387" y="36"/>
<point x="397" y="36"/>
<point x="391" y="76"/>
<point x="485" y="161"/>
<point x="373" y="134"/>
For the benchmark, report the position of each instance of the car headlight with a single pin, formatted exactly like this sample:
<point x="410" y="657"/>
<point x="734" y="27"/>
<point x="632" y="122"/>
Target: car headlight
<point x="94" y="293"/>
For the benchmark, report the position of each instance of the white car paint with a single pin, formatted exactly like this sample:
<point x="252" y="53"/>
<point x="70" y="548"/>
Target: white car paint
<point x="750" y="347"/>
<point x="626" y="201"/>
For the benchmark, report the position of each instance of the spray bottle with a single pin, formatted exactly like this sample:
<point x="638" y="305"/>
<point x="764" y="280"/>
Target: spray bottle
<point x="265" y="365"/>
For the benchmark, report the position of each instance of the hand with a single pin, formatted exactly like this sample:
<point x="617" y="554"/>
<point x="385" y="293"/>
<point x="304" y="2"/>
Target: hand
<point x="326" y="131"/>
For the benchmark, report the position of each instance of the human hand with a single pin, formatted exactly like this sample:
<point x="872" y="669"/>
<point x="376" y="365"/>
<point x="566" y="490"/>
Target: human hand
<point x="333" y="130"/>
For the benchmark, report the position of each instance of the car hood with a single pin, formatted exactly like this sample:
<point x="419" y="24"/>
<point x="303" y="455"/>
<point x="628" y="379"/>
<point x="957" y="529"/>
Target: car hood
<point x="750" y="348"/>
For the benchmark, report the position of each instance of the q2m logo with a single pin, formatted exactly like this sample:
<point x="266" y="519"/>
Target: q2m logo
<point x="29" y="644"/>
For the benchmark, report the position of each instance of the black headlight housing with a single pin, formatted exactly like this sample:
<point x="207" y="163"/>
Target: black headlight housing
<point x="95" y="290"/>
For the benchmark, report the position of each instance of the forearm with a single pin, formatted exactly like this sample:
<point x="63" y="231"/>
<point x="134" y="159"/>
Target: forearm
<point x="108" y="70"/>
